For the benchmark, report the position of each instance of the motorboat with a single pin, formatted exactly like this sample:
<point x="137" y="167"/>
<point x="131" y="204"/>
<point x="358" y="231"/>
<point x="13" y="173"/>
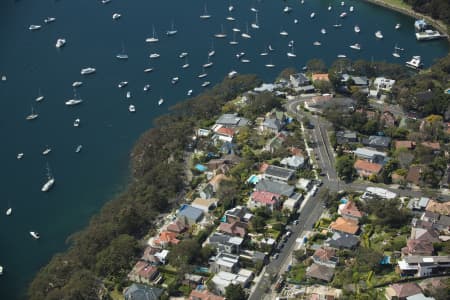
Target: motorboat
<point x="154" y="55"/>
<point x="50" y="181"/>
<point x="185" y="65"/>
<point x="291" y="53"/>
<point x="415" y="62"/>
<point x="341" y="56"/>
<point x="208" y="64"/>
<point x="284" y="33"/>
<point x="148" y="70"/>
<point x="8" y="211"/>
<point x="128" y="95"/>
<point x="78" y="148"/>
<point x="40" y="97"/>
<point x="105" y="1"/>
<point x="46" y="151"/>
<point x="116" y="16"/>
<point x="172" y="31"/>
<point x="146" y="87"/>
<point x="189" y="93"/>
<point x="76" y="84"/>
<point x="230" y="18"/>
<point x="3" y="77"/>
<point x="34" y="27"/>
<point x="329" y="8"/>
<point x="356" y="46"/>
<point x="230" y="8"/>
<point x="205" y="14"/>
<point x="160" y="101"/>
<point x="378" y="34"/>
<point x="342" y="3"/>
<point x="395" y="54"/>
<point x="337" y="25"/>
<point x="60" y="43"/>
<point x="206" y="83"/>
<point x="235" y="29"/>
<point x="77" y="122"/>
<point x="253" y="9"/>
<point x="131" y="108"/>
<point x="1" y="270"/>
<point x="49" y="20"/>
<point x="245" y="60"/>
<point x="270" y="65"/>
<point x="428" y="34"/>
<point x="32" y="116"/>
<point x="122" y="84"/>
<point x="287" y="9"/>
<point x="202" y="75"/>
<point x="35" y="235"/>
<point x="183" y="54"/>
<point x="323" y="31"/>
<point x="153" y="38"/>
<point x="343" y="15"/>
<point x="312" y="15"/>
<point x="20" y="155"/>
<point x="317" y="43"/>
<point x="86" y="71"/>
<point x="239" y="55"/>
<point x="295" y="21"/>
<point x="264" y="53"/>
<point x="357" y="29"/>
<point x="175" y="80"/>
<point x="351" y="9"/>
<point x="211" y="52"/>
<point x="397" y="26"/>
<point x="232" y="74"/>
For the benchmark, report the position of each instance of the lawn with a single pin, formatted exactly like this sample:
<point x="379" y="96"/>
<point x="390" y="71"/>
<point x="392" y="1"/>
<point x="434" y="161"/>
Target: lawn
<point x="116" y="295"/>
<point x="297" y="273"/>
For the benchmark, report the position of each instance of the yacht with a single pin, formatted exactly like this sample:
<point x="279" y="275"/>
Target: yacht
<point x="49" y="20"/>
<point x="230" y="8"/>
<point x="8" y="211"/>
<point x="46" y="151"/>
<point x="221" y="34"/>
<point x="185" y="65"/>
<point x="146" y="87"/>
<point x="203" y="74"/>
<point x="317" y="43"/>
<point x="246" y="35"/>
<point x="341" y="56"/>
<point x="312" y="15"/>
<point x="428" y="35"/>
<point x="329" y="8"/>
<point x="206" y="83"/>
<point x="351" y="9"/>
<point x="34" y="27"/>
<point x="245" y="60"/>
<point x="40" y="97"/>
<point x="50" y="181"/>
<point x="172" y="31"/>
<point x="239" y="55"/>
<point x="356" y="46"/>
<point x="152" y="39"/>
<point x="105" y="1"/>
<point x="295" y="21"/>
<point x="205" y="14"/>
<point x="395" y="53"/>
<point x="323" y="31"/>
<point x="160" y="101"/>
<point x="75" y="100"/>
<point x="235" y="29"/>
<point x="175" y="80"/>
<point x="131" y="108"/>
<point x="148" y="70"/>
<point x="208" y="64"/>
<point x="397" y="26"/>
<point x="20" y="155"/>
<point x="32" y="116"/>
<point x="128" y="95"/>
<point x="270" y="65"/>
<point x="77" y="122"/>
<point x="78" y="148"/>
<point x="154" y="55"/>
<point x="337" y="25"/>
<point x="35" y="235"/>
<point x="233" y="41"/>
<point x="76" y="84"/>
<point x="291" y="53"/>
<point x="255" y="25"/>
<point x="122" y="54"/>
<point x="253" y="9"/>
<point x="414" y="63"/>
<point x="343" y="15"/>
<point x="287" y="9"/>
<point x="230" y="18"/>
<point x="232" y="74"/>
<point x="189" y="93"/>
<point x="122" y="84"/>
<point x="60" y="43"/>
<point x="284" y="33"/>
<point x="86" y="71"/>
<point x="183" y="54"/>
<point x="116" y="16"/>
<point x="378" y="34"/>
<point x="357" y="29"/>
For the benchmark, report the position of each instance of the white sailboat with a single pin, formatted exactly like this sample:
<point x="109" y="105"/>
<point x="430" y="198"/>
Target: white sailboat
<point x="160" y="101"/>
<point x="357" y="29"/>
<point x="35" y="235"/>
<point x="172" y="31"/>
<point x="186" y="64"/>
<point x="153" y="38"/>
<point x="60" y="42"/>
<point x="202" y="74"/>
<point x="183" y="54"/>
<point x="77" y="83"/>
<point x="378" y="34"/>
<point x="50" y="181"/>
<point x="206" y="83"/>
<point x="131" y="108"/>
<point x="395" y="53"/>
<point x="87" y="71"/>
<point x="20" y="155"/>
<point x="116" y="16"/>
<point x="32" y="116"/>
<point x="8" y="211"/>
<point x="78" y="148"/>
<point x="122" y="84"/>
<point x="291" y="53"/>
<point x="75" y="100"/>
<point x="221" y="34"/>
<point x="175" y="80"/>
<point x="40" y="97"/>
<point x="77" y="122"/>
<point x="246" y="34"/>
<point x="208" y="64"/>
<point x="355" y="46"/>
<point x="212" y="52"/>
<point x="233" y="41"/>
<point x="205" y="14"/>
<point x="122" y="54"/>
<point x="255" y="25"/>
<point x="46" y="151"/>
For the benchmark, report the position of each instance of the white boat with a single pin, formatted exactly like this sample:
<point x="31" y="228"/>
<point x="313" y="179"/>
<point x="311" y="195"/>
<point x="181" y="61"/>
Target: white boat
<point x="329" y="8"/>
<point x="233" y="41"/>
<point x="34" y="27"/>
<point x="128" y="95"/>
<point x="86" y="71"/>
<point x="60" y="43"/>
<point x="342" y="3"/>
<point x="146" y="87"/>
<point x="49" y="20"/>
<point x="172" y="31"/>
<point x="175" y="80"/>
<point x="154" y="55"/>
<point x="185" y="65"/>
<point x="206" y="83"/>
<point x="46" y="151"/>
<point x="8" y="211"/>
<point x="239" y="55"/>
<point x="32" y="116"/>
<point x="148" y="70"/>
<point x="270" y="65"/>
<point x="246" y="35"/>
<point x="397" y="26"/>
<point x="122" y="54"/>
<point x="230" y="18"/>
<point x="245" y="60"/>
<point x="264" y="53"/>
<point x="343" y="15"/>
<point x="395" y="53"/>
<point x="355" y="46"/>
<point x="40" y="97"/>
<point x="211" y="52"/>
<point x="337" y="25"/>
<point x="35" y="235"/>
<point x="292" y="52"/>
<point x="3" y="77"/>
<point x="271" y="48"/>
<point x="208" y="64"/>
<point x="50" y="181"/>
<point x="189" y="93"/>
<point x="221" y="34"/>
<point x="183" y="54"/>
<point x="235" y="29"/>
<point x="230" y="8"/>
<point x="232" y="74"/>
<point x="160" y="101"/>
<point x="255" y="25"/>
<point x="415" y="62"/>
<point x="116" y="16"/>
<point x="105" y="1"/>
<point x="351" y="9"/>
<point x="153" y="38"/>
<point x="20" y="155"/>
<point x="205" y="14"/>
<point x="76" y="84"/>
<point x="312" y="15"/>
<point x="398" y="48"/>
<point x="317" y="43"/>
<point x="295" y="21"/>
<point x="77" y="122"/>
<point x="122" y="84"/>
<point x="341" y="56"/>
<point x="78" y="148"/>
<point x="1" y="270"/>
<point x="75" y="100"/>
<point x="428" y="34"/>
<point x="131" y="108"/>
<point x="323" y="31"/>
<point x="287" y="9"/>
<point x="357" y="29"/>
<point x="378" y="34"/>
<point x="203" y="74"/>
<point x="284" y="33"/>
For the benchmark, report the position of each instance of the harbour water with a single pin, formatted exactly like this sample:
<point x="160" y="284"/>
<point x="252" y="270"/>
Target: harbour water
<point x="85" y="180"/>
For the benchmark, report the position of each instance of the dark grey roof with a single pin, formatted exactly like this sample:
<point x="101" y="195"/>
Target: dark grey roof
<point x="343" y="137"/>
<point x="377" y="141"/>
<point x="275" y="187"/>
<point x="343" y="240"/>
<point x="219" y="238"/>
<point x="274" y="124"/>
<point x="279" y="172"/>
<point x="191" y="212"/>
<point x="300" y="79"/>
<point x="142" y="292"/>
<point x="232" y="120"/>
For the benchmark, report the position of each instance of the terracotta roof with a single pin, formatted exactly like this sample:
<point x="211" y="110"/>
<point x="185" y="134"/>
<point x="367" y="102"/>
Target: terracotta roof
<point x="418" y="247"/>
<point x="406" y="289"/>
<point x="367" y="166"/>
<point x="167" y="237"/>
<point x="320" y="272"/>
<point x="233" y="229"/>
<point x="204" y="295"/>
<point x="146" y="270"/>
<point x="437" y="207"/>
<point x="265" y="197"/>
<point x="351" y="209"/>
<point x="320" y="76"/>
<point x="404" y="144"/>
<point x="414" y="173"/>
<point x="345" y="225"/>
<point x="225" y="131"/>
<point x="177" y="226"/>
<point x="432" y="145"/>
<point x="324" y="254"/>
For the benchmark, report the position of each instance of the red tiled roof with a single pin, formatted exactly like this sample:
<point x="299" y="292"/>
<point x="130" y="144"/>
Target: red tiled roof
<point x="320" y="76"/>
<point x="413" y="175"/>
<point x="350" y="209"/>
<point x="324" y="254"/>
<point x="233" y="229"/>
<point x="225" y="131"/>
<point x="204" y="295"/>
<point x="167" y="237"/>
<point x="404" y="144"/>
<point x="418" y="247"/>
<point x="265" y="197"/>
<point x="367" y="166"/>
<point x="345" y="225"/>
<point x="176" y="226"/>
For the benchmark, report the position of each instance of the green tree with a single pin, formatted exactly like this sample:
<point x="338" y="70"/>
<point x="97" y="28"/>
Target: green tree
<point x="316" y="65"/>
<point x="235" y="292"/>
<point x="344" y="167"/>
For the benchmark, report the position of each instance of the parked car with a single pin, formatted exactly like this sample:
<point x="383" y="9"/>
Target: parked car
<point x="295" y="222"/>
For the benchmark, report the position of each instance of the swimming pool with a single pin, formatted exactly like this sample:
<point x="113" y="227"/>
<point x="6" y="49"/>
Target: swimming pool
<point x="200" y="168"/>
<point x="343" y="200"/>
<point x="253" y="179"/>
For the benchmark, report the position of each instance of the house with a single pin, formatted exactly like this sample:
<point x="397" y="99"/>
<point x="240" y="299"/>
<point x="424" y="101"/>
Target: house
<point x="271" y="125"/>
<point x="232" y="121"/>
<point x="342" y="241"/>
<point x="345" y="226"/>
<point x="377" y="142"/>
<point x="320" y="76"/>
<point x="359" y="81"/>
<point x="238" y="214"/>
<point x="254" y="256"/>
<point x="326" y="257"/>
<point x="223" y="279"/>
<point x="401" y="291"/>
<point x="383" y="84"/>
<point x="275" y="187"/>
<point x="225" y="243"/>
<point x="419" y="266"/>
<point x="178" y="226"/>
<point x="388" y="119"/>
<point x="439" y="208"/>
<point x="278" y="173"/>
<point x="224" y="262"/>
<point x="143" y="272"/>
<point x="414" y="174"/>
<point x="424" y="234"/>
<point x="206" y="205"/>
<point x="346" y="137"/>
<point x="349" y="210"/>
<point x="320" y="272"/>
<point x="162" y="256"/>
<point x="419" y="203"/>
<point x="234" y="229"/>
<point x="435" y="146"/>
<point x="299" y="79"/>
<point x="293" y="203"/>
<point x="142" y="292"/>
<point x="149" y="256"/>
<point x="224" y="134"/>
<point x="370" y="155"/>
<point x="204" y="295"/>
<point x="409" y="145"/>
<point x="166" y="238"/>
<point x="293" y="162"/>
<point x="192" y="280"/>
<point x="304" y="184"/>
<point x="276" y="142"/>
<point x="264" y="199"/>
<point x="322" y="292"/>
<point x="192" y="214"/>
<point x="418" y="247"/>
<point x="366" y="169"/>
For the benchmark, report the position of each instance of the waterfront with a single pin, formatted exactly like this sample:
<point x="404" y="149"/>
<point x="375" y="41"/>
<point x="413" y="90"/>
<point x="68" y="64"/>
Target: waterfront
<point x="84" y="181"/>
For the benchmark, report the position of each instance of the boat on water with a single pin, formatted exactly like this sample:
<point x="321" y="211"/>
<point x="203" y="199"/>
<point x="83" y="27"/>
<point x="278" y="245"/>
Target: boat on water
<point x="75" y="100"/>
<point x="128" y="95"/>
<point x="49" y="20"/>
<point x="317" y="43"/>
<point x="40" y="97"/>
<point x="287" y="9"/>
<point x="342" y="3"/>
<point x="34" y="27"/>
<point x="378" y="34"/>
<point x="233" y="41"/>
<point x="357" y="29"/>
<point x="76" y="84"/>
<point x="208" y="64"/>
<point x="355" y="46"/>
<point x="291" y="53"/>
<point x="232" y="74"/>
<point x="323" y="31"/>
<point x="105" y="1"/>
<point x="329" y="8"/>
<point x="337" y="25"/>
<point x="175" y="80"/>
<point x="189" y="93"/>
<point x="154" y="55"/>
<point x="235" y="29"/>
<point x="239" y="55"/>
<point x="3" y="77"/>
<point x="146" y="87"/>
<point x="35" y="235"/>
<point x="203" y="74"/>
<point x="295" y="21"/>
<point x="414" y="63"/>
<point x="8" y="211"/>
<point x="270" y="65"/>
<point x="230" y="8"/>
<point x="88" y="70"/>
<point x="253" y="9"/>
<point x="1" y="270"/>
<point x="351" y="9"/>
<point x="185" y="65"/>
<point x="245" y="60"/>
<point x="78" y="148"/>
<point x="312" y="15"/>
<point x="255" y="25"/>
<point x="172" y="31"/>
<point x="211" y="51"/>
<point x="343" y="15"/>
<point x="47" y="151"/>
<point x="77" y="122"/>
<point x="264" y="53"/>
<point x="221" y="34"/>
<point x="122" y="54"/>
<point x="20" y="155"/>
<point x="131" y="108"/>
<point x="116" y="16"/>
<point x="271" y="48"/>
<point x="160" y="101"/>
<point x="397" y="26"/>
<point x="206" y="83"/>
<point x="245" y="34"/>
<point x="395" y="53"/>
<point x="398" y="48"/>
<point x="50" y="181"/>
<point x="341" y="56"/>
<point x="153" y="38"/>
<point x="284" y="33"/>
<point x="148" y="70"/>
<point x="230" y="18"/>
<point x="60" y="42"/>
<point x="428" y="34"/>
<point x="205" y="14"/>
<point x="32" y="116"/>
<point x="122" y="84"/>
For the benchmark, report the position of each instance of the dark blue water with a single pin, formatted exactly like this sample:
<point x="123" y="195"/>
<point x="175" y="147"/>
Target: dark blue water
<point x="84" y="181"/>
